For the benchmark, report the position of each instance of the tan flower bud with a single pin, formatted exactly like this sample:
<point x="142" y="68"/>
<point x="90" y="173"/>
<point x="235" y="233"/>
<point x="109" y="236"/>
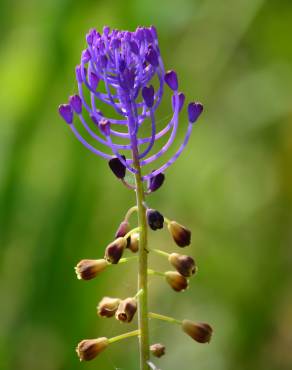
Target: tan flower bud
<point x="180" y="234"/>
<point x="126" y="310"/>
<point x="89" y="269"/>
<point x="115" y="249"/>
<point x="88" y="349"/>
<point x="185" y="265"/>
<point x="200" y="332"/>
<point x="157" y="349"/>
<point x="176" y="280"/>
<point x="107" y="307"/>
<point x="122" y="229"/>
<point x="133" y="243"/>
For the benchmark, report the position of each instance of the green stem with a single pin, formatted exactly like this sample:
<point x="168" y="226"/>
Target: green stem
<point x="124" y="336"/>
<point x="142" y="267"/>
<point x="161" y="253"/>
<point x="135" y="230"/>
<point x="153" y="272"/>
<point x="125" y="259"/>
<point x="172" y="320"/>
<point x="130" y="211"/>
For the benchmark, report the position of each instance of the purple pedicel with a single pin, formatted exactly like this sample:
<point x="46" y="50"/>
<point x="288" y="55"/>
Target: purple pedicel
<point x="117" y="68"/>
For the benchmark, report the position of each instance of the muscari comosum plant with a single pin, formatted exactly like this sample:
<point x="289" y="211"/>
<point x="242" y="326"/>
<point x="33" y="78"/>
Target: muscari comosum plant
<point x="117" y="69"/>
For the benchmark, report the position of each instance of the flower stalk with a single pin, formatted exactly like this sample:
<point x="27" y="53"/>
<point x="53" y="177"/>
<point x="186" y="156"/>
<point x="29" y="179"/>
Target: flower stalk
<point x="117" y="69"/>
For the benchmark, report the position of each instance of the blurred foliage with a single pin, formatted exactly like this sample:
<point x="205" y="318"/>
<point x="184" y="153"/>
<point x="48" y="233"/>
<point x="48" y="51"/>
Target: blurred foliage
<point x="232" y="186"/>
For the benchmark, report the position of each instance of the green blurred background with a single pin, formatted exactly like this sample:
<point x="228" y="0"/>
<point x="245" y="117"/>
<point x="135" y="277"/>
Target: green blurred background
<point x="232" y="187"/>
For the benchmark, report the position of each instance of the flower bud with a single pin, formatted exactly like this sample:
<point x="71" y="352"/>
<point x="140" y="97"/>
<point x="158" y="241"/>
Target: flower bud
<point x="156" y="182"/>
<point x="114" y="250"/>
<point x="176" y="281"/>
<point x="185" y="265"/>
<point x="89" y="269"/>
<point x="126" y="310"/>
<point x="117" y="167"/>
<point x="108" y="306"/>
<point x="180" y="234"/>
<point x="157" y="349"/>
<point x="200" y="332"/>
<point x="88" y="349"/>
<point x="133" y="242"/>
<point x="122" y="229"/>
<point x="155" y="219"/>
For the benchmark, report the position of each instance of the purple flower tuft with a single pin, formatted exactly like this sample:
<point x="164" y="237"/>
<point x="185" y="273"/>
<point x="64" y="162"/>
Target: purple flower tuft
<point x="66" y="113"/>
<point x="194" y="111"/>
<point x="116" y="70"/>
<point x="171" y="79"/>
<point x="76" y="103"/>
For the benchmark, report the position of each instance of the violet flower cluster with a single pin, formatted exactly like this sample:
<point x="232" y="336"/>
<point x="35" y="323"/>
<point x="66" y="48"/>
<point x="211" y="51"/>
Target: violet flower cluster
<point x="123" y="64"/>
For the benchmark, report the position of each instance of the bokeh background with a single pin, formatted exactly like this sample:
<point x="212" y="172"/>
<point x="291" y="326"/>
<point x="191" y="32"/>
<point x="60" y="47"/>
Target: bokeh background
<point x="232" y="187"/>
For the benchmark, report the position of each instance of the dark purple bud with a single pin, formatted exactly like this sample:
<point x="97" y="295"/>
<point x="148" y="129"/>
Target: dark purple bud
<point x="86" y="56"/>
<point x="170" y="78"/>
<point x="106" y="30"/>
<point x="114" y="250"/>
<point x="78" y="73"/>
<point x="105" y="126"/>
<point x="76" y="103"/>
<point x="117" y="167"/>
<point x="93" y="80"/>
<point x="89" y="269"/>
<point x="94" y="119"/>
<point x="156" y="182"/>
<point x="103" y="61"/>
<point x="154" y="32"/>
<point x="128" y="78"/>
<point x="181" y="101"/>
<point x="88" y="349"/>
<point x="148" y="35"/>
<point x="122" y="229"/>
<point x="134" y="47"/>
<point x="90" y="36"/>
<point x="151" y="57"/>
<point x="155" y="219"/>
<point x="139" y="34"/>
<point x="115" y="43"/>
<point x="194" y="111"/>
<point x="66" y="112"/>
<point x="148" y="95"/>
<point x="122" y="65"/>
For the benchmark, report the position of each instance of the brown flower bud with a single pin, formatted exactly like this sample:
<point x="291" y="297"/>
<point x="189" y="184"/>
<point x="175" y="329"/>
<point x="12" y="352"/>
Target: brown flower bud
<point x="107" y="307"/>
<point x="157" y="349"/>
<point x="185" y="265"/>
<point x="122" y="229"/>
<point x="90" y="348"/>
<point x="200" y="332"/>
<point x="180" y="234"/>
<point x="126" y="310"/>
<point x="176" y="280"/>
<point x="114" y="250"/>
<point x="133" y="242"/>
<point x="89" y="269"/>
